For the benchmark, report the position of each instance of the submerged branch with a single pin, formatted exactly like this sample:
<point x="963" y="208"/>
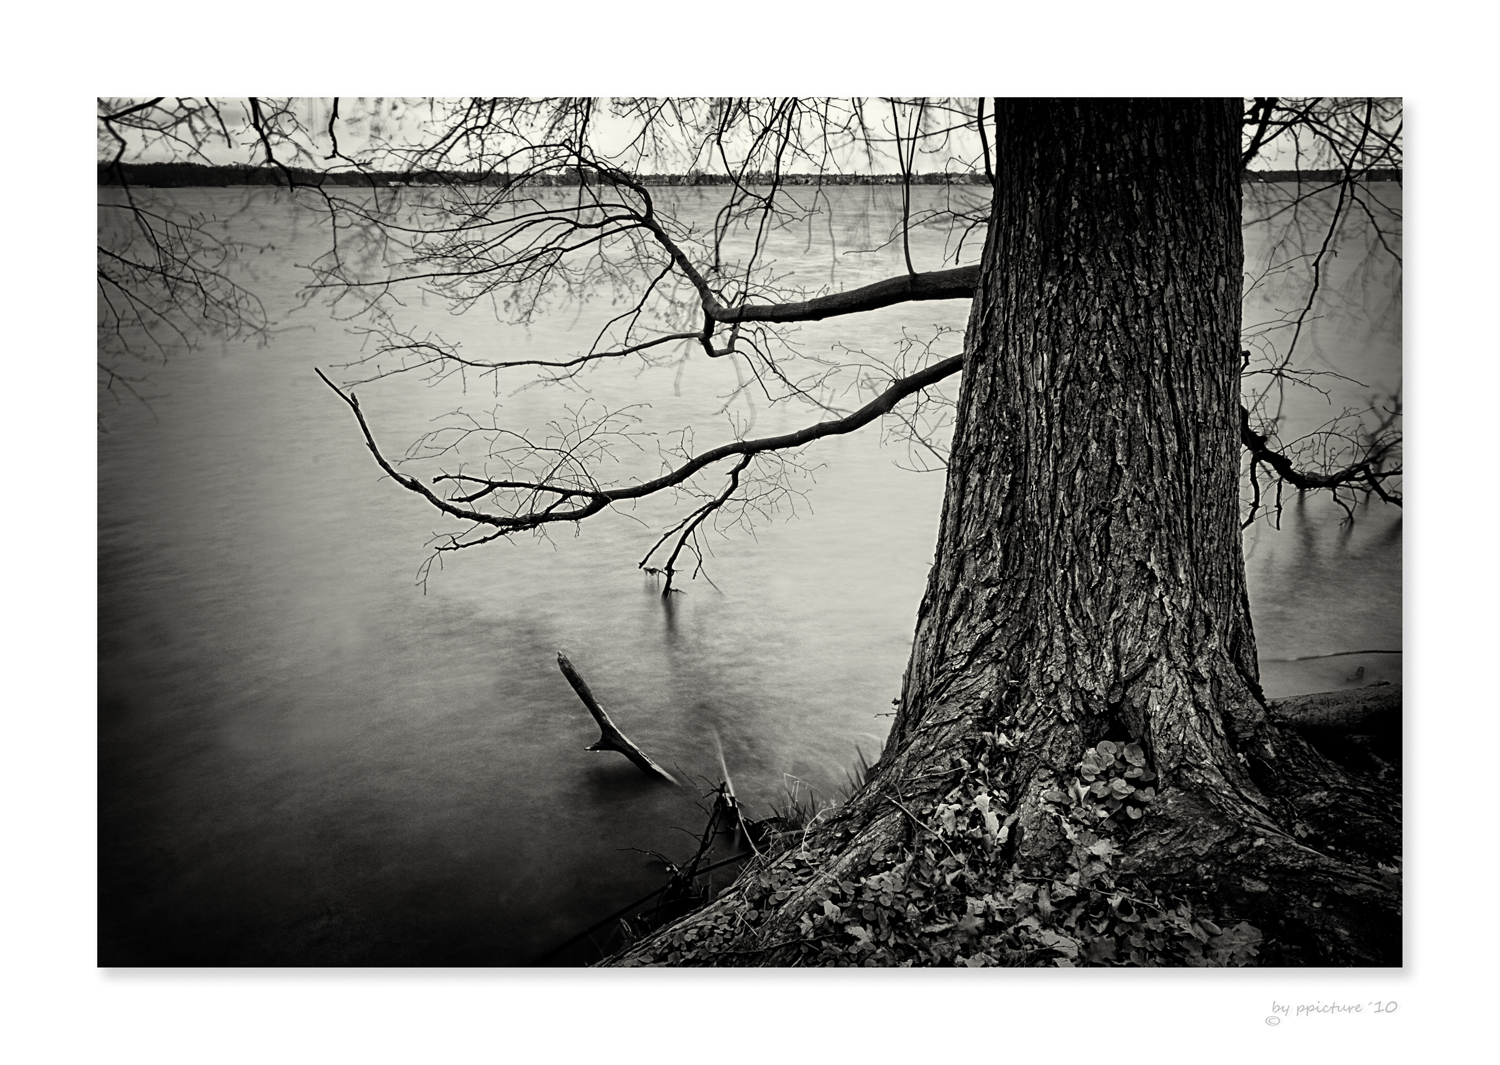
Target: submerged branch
<point x="610" y="737"/>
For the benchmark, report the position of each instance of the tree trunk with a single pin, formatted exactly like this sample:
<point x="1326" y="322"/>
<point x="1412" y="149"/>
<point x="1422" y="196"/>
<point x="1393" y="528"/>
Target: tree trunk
<point x="1089" y="586"/>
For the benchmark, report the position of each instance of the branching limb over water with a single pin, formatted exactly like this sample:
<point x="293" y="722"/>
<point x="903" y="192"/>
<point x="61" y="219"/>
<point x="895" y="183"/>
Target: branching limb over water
<point x="523" y="205"/>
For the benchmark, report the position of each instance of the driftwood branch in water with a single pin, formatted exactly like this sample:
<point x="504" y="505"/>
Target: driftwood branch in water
<point x="610" y="737"/>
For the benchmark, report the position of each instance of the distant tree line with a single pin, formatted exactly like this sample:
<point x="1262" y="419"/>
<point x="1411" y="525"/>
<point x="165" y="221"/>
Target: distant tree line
<point x="191" y="175"/>
<point x="1391" y="174"/>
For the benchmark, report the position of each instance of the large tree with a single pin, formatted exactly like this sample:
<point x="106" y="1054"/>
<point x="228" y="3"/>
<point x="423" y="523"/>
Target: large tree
<point x="1082" y="766"/>
<point x="1089" y="581"/>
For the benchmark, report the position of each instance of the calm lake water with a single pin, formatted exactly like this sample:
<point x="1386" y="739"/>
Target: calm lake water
<point x="304" y="759"/>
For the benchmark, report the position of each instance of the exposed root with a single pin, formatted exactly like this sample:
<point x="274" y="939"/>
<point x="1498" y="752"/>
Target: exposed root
<point x="975" y="863"/>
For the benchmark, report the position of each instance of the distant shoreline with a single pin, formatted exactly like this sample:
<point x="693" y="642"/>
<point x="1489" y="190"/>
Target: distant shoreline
<point x="196" y="175"/>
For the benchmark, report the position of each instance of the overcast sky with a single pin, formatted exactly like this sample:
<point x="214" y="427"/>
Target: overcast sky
<point x="397" y="120"/>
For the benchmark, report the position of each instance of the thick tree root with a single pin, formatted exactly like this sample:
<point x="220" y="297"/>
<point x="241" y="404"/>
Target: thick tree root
<point x="1313" y="908"/>
<point x="969" y="862"/>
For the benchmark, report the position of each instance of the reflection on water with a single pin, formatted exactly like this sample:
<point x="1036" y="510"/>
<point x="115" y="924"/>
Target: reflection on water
<point x="1321" y="588"/>
<point x="306" y="760"/>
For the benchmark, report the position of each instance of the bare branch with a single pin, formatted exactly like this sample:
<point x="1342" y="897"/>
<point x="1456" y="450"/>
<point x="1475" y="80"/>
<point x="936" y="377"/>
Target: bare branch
<point x="1368" y="472"/>
<point x="595" y="500"/>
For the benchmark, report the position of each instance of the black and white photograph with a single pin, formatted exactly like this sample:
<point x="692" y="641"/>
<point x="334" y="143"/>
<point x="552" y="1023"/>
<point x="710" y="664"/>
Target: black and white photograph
<point x="750" y="531"/>
<point x="787" y="530"/>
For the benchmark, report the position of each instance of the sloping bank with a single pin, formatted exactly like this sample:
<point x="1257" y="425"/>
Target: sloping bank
<point x="922" y="871"/>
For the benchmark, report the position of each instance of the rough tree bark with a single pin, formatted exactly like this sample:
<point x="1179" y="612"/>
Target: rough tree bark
<point x="1089" y="579"/>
